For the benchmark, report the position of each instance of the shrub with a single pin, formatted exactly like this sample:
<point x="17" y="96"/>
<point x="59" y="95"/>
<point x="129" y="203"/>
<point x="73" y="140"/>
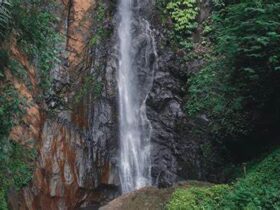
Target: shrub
<point x="184" y="13"/>
<point x="15" y="169"/>
<point x="240" y="87"/>
<point x="196" y="198"/>
<point x="36" y="35"/>
<point x="259" y="189"/>
<point x="32" y="25"/>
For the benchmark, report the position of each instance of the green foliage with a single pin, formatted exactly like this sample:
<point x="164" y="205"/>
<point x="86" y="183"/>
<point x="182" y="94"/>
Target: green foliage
<point x="218" y="3"/>
<point x="89" y="86"/>
<point x="9" y="108"/>
<point x="32" y="24"/>
<point x="18" y="70"/>
<point x="102" y="28"/>
<point x="243" y="77"/>
<point x="196" y="198"/>
<point x="36" y="35"/>
<point x="3" y="203"/>
<point x="260" y="189"/>
<point x="15" y="169"/>
<point x="211" y="92"/>
<point x="5" y="17"/>
<point x="4" y="57"/>
<point x="183" y="13"/>
<point x="179" y="20"/>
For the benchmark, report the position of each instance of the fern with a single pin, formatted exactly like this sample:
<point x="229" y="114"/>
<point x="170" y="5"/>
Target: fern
<point x="5" y="16"/>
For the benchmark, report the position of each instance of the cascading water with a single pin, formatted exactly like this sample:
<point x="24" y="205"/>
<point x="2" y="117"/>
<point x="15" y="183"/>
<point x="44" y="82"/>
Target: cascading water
<point x="137" y="61"/>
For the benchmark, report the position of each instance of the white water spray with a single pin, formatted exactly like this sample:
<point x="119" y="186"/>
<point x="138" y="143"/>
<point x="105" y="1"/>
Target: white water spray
<point x="135" y="78"/>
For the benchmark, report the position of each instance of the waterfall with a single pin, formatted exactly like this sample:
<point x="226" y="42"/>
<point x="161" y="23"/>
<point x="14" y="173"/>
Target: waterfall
<point x="137" y="61"/>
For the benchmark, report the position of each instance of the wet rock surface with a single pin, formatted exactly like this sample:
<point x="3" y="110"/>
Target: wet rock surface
<point x="74" y="141"/>
<point x="175" y="151"/>
<point x="66" y="176"/>
<point x="78" y="150"/>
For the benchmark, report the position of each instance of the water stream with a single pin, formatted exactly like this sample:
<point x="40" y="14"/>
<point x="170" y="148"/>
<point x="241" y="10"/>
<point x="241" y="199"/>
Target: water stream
<point x="137" y="62"/>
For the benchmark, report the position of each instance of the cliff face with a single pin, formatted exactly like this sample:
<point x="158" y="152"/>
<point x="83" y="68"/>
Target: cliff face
<point x="78" y="148"/>
<point x="68" y="170"/>
<point x="179" y="142"/>
<point x="28" y="132"/>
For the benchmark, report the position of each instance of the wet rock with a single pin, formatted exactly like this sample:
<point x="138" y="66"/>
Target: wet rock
<point x="75" y="163"/>
<point x="66" y="176"/>
<point x="79" y="150"/>
<point x="176" y="149"/>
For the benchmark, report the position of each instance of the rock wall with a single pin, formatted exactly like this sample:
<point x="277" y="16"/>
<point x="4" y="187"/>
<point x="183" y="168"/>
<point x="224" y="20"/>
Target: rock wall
<point x="182" y="149"/>
<point x="28" y="132"/>
<point x="72" y="169"/>
<point x="77" y="162"/>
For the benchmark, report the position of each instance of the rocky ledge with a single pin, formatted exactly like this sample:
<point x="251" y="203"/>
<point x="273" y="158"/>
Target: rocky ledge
<point x="148" y="198"/>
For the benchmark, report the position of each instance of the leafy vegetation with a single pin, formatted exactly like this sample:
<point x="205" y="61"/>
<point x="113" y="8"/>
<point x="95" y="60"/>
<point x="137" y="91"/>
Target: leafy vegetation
<point x="9" y="108"/>
<point x="259" y="189"/>
<point x="183" y="13"/>
<point x="239" y="87"/>
<point x="179" y="17"/>
<point x="16" y="161"/>
<point x="34" y="24"/>
<point x="198" y="198"/>
<point x="31" y="24"/>
<point x="102" y="27"/>
<point x="89" y="86"/>
<point x="16" y="168"/>
<point x="4" y="17"/>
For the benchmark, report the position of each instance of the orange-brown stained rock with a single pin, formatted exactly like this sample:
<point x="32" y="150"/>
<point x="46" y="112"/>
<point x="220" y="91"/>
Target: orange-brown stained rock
<point x="23" y="59"/>
<point x="78" y="29"/>
<point x="77" y="36"/>
<point x="80" y="114"/>
<point x="105" y="173"/>
<point x="60" y="179"/>
<point x="26" y="133"/>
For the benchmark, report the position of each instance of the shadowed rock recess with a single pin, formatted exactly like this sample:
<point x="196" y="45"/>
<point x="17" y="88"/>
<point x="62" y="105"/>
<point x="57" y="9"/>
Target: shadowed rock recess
<point x="78" y="141"/>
